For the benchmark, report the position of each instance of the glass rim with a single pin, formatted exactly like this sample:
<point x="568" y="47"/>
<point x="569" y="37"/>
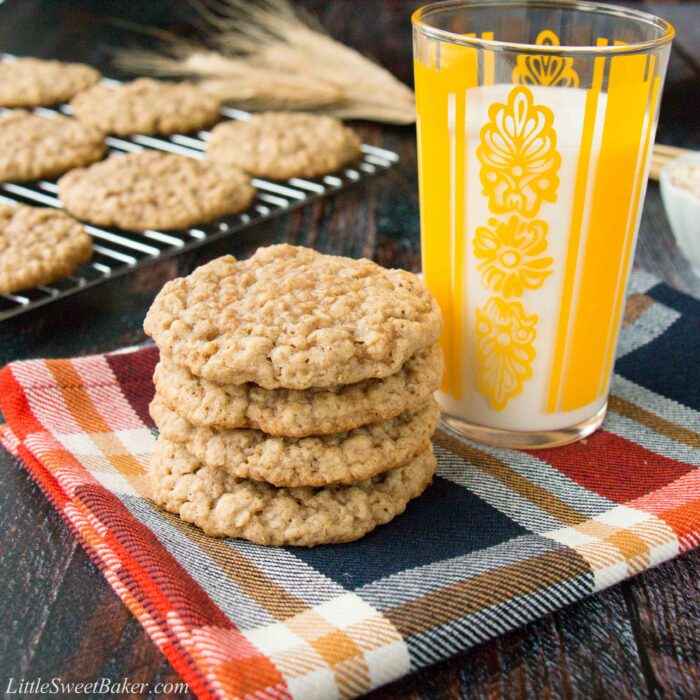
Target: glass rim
<point x="668" y="32"/>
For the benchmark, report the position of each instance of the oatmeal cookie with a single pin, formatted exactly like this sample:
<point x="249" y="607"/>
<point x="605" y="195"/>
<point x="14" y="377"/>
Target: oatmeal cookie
<point x="38" y="245"/>
<point x="31" y="82"/>
<point x="224" y="506"/>
<point x="146" y="106"/>
<point x="293" y="413"/>
<point x="291" y="317"/>
<point x="341" y="458"/>
<point x="152" y="190"/>
<point x="280" y="145"/>
<point x="33" y="147"/>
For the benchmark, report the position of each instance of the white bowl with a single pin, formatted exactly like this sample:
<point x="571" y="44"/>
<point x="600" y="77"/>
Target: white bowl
<point x="683" y="211"/>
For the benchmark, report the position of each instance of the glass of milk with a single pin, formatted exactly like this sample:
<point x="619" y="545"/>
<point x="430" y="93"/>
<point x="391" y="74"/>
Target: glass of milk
<point x="535" y="124"/>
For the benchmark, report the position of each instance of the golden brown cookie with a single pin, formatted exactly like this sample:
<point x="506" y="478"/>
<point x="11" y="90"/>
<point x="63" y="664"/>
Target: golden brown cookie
<point x="38" y="245"/>
<point x="340" y="458"/>
<point x="153" y="190"/>
<point x="280" y="145"/>
<point x="146" y="106"/>
<point x="31" y="82"/>
<point x="224" y="506"/>
<point x="293" y="413"/>
<point x="291" y="317"/>
<point x="33" y="147"/>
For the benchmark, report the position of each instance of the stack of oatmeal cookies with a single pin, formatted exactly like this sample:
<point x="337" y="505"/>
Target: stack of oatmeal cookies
<point x="293" y="395"/>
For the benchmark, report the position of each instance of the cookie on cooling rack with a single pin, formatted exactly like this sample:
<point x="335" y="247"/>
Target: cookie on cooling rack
<point x="38" y="245"/>
<point x="281" y="145"/>
<point x="146" y="106"/>
<point x="32" y="147"/>
<point x="31" y="82"/>
<point x="153" y="190"/>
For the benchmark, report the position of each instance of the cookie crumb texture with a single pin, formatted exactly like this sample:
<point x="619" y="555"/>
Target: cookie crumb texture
<point x="341" y="458"/>
<point x="293" y="413"/>
<point x="280" y="145"/>
<point x="38" y="245"/>
<point x="151" y="190"/>
<point x="33" y="147"/>
<point x="290" y="317"/>
<point x="32" y="82"/>
<point x="224" y="506"/>
<point x="146" y="106"/>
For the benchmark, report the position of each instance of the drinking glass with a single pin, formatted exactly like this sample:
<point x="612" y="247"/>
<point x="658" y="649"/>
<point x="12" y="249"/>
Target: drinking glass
<point x="535" y="125"/>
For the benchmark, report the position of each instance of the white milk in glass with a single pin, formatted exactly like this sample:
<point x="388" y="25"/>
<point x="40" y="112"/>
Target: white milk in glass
<point x="526" y="411"/>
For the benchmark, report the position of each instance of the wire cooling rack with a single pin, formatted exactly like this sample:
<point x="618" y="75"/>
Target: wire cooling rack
<point x="117" y="252"/>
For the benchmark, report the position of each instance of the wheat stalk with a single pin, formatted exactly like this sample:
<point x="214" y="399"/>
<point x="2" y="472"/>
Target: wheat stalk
<point x="271" y="55"/>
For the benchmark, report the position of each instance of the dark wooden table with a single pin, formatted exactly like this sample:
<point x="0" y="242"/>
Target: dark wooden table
<point x="58" y="615"/>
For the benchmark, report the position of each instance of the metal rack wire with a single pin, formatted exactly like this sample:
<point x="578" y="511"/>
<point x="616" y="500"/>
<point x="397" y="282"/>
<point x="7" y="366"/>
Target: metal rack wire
<point x="117" y="252"/>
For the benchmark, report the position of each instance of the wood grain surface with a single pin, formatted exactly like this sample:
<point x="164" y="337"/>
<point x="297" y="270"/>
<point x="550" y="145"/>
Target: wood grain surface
<point x="58" y="615"/>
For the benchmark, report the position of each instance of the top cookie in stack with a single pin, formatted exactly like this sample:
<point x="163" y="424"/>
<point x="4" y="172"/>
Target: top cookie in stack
<point x="294" y="395"/>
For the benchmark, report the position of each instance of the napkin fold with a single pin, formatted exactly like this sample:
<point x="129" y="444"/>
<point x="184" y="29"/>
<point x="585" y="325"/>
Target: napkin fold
<point x="500" y="538"/>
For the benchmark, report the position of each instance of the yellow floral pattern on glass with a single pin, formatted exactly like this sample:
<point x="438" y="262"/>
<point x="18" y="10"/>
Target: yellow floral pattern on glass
<point x="519" y="171"/>
<point x="511" y="255"/>
<point x="505" y="349"/>
<point x="518" y="155"/>
<point x="545" y="69"/>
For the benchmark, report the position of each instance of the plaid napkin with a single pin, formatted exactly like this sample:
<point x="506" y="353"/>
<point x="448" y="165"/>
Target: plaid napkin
<point x="500" y="538"/>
